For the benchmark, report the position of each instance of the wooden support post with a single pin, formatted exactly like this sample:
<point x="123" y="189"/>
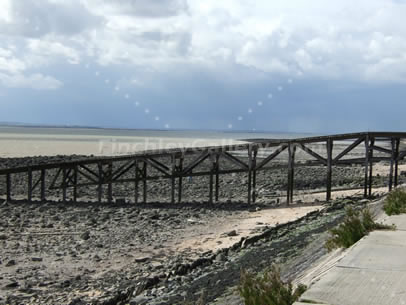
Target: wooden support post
<point x="292" y="173"/>
<point x="64" y="185"/>
<point x="110" y="183"/>
<point x="254" y="175"/>
<point x="371" y="155"/>
<point x="329" y="167"/>
<point x="366" y="165"/>
<point x="136" y="182"/>
<point x="100" y="185"/>
<point x="289" y="174"/>
<point x="217" y="178"/>
<point x="392" y="160"/>
<point x="173" y="160"/>
<point x="211" y="177"/>
<point x="180" y="179"/>
<point x="8" y="187"/>
<point x="75" y="184"/>
<point x="397" y="144"/>
<point x="29" y="195"/>
<point x="144" y="174"/>
<point x="249" y="173"/>
<point x="43" y="185"/>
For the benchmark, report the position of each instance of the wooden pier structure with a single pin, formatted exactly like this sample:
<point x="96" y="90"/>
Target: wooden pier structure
<point x="249" y="158"/>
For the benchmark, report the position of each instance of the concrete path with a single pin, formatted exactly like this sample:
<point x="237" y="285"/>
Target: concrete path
<point x="372" y="272"/>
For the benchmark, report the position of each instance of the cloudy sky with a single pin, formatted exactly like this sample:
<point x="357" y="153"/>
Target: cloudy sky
<point x="295" y="65"/>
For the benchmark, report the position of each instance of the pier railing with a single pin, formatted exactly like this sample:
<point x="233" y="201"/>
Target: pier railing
<point x="249" y="158"/>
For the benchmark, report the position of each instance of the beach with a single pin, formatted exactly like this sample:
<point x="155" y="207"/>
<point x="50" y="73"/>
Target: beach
<point x="159" y="252"/>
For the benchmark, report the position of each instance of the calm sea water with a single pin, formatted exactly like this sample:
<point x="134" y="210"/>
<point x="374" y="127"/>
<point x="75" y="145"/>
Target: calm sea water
<point x="31" y="141"/>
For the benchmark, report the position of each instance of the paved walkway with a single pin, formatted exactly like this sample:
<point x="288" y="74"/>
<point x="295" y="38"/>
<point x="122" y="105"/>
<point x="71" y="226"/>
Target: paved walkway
<point x="372" y="272"/>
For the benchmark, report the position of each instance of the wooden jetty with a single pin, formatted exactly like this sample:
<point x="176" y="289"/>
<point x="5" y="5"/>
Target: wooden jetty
<point x="139" y="168"/>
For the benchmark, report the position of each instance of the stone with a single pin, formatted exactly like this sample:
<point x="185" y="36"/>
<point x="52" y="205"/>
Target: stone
<point x="12" y="285"/>
<point x="85" y="235"/>
<point x="11" y="263"/>
<point x="142" y="259"/>
<point x="220" y="258"/>
<point x="36" y="259"/>
<point x="232" y="233"/>
<point x="139" y="300"/>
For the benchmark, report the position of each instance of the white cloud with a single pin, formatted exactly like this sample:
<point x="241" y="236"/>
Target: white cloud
<point x="34" y="81"/>
<point x="50" y="48"/>
<point x="9" y="63"/>
<point x="36" y="18"/>
<point x="359" y="40"/>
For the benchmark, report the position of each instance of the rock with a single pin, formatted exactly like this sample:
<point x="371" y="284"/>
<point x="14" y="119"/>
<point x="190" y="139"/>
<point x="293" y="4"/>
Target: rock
<point x="220" y="258"/>
<point x="97" y="258"/>
<point x="85" y="235"/>
<point x="11" y="285"/>
<point x="36" y="259"/>
<point x="142" y="259"/>
<point x="11" y="263"/>
<point x="139" y="300"/>
<point x="232" y="233"/>
<point x="3" y="236"/>
<point x="120" y="201"/>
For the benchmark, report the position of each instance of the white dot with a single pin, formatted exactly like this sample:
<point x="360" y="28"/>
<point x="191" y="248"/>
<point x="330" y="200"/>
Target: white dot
<point x="157" y="118"/>
<point x="87" y="66"/>
<point x="107" y="81"/>
<point x="270" y="96"/>
<point x="117" y="88"/>
<point x="290" y="81"/>
<point x="27" y="20"/>
<point x="240" y="118"/>
<point x="127" y="96"/>
<point x="167" y="126"/>
<point x="97" y="73"/>
<point x="280" y="88"/>
<point x="136" y="104"/>
<point x="146" y="110"/>
<point x="254" y="129"/>
<point x="260" y="103"/>
<point x="249" y="110"/>
<point x="37" y="28"/>
<point x="230" y="126"/>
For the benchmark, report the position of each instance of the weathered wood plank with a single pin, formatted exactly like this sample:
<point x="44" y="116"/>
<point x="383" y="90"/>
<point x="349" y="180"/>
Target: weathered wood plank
<point x="272" y="156"/>
<point x="43" y="176"/>
<point x="367" y="153"/>
<point x="312" y="153"/>
<point x="235" y="160"/>
<point x="329" y="167"/>
<point x="348" y="149"/>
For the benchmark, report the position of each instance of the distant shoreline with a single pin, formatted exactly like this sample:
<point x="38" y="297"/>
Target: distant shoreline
<point x="28" y="125"/>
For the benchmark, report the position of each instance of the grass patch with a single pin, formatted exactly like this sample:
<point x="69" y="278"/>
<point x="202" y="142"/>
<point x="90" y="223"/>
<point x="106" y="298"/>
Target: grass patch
<point x="395" y="202"/>
<point x="355" y="226"/>
<point x="268" y="289"/>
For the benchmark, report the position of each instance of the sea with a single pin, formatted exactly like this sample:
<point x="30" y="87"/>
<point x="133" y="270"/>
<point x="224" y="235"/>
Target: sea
<point x="23" y="141"/>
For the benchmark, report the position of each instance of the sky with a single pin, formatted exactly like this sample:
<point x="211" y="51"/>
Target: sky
<point x="295" y="65"/>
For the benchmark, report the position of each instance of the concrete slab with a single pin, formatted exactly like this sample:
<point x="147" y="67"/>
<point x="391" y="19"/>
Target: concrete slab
<point x="398" y="220"/>
<point x="372" y="272"/>
<point x="346" y="286"/>
<point x="300" y="303"/>
<point x="381" y="250"/>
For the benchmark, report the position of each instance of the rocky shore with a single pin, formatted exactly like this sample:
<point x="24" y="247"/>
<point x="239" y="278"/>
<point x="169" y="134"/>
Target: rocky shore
<point x="97" y="254"/>
<point x="160" y="253"/>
